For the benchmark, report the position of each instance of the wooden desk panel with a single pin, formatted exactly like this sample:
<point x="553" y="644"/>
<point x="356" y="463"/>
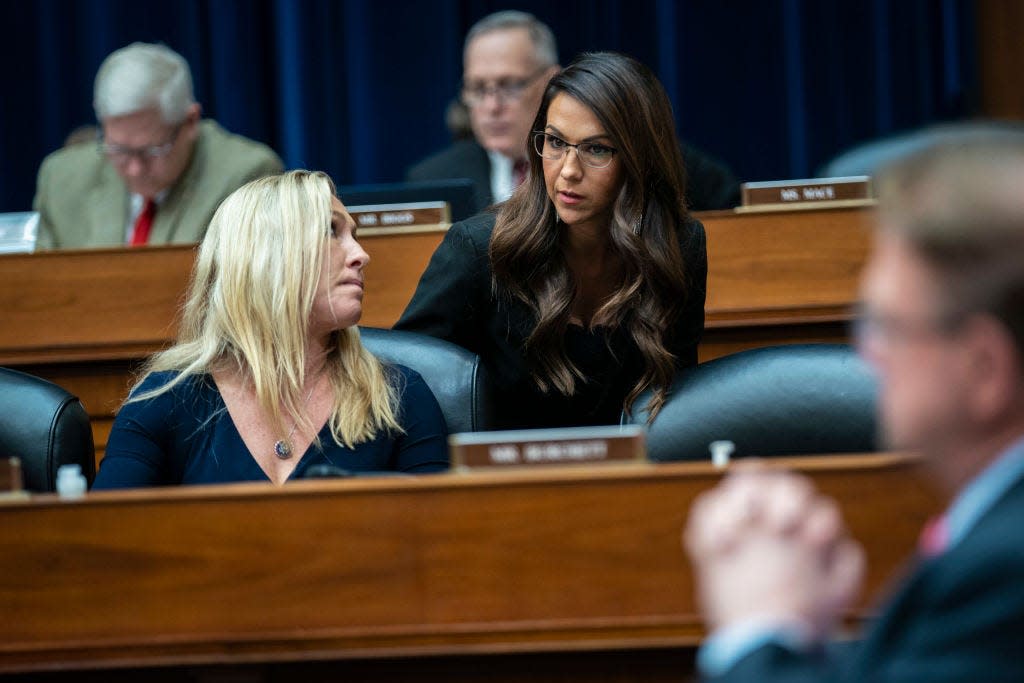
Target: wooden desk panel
<point x="444" y="566"/>
<point x="90" y="305"/>
<point x="773" y="271"/>
<point x="123" y="303"/>
<point x="781" y="263"/>
<point x="396" y="263"/>
<point x="782" y="277"/>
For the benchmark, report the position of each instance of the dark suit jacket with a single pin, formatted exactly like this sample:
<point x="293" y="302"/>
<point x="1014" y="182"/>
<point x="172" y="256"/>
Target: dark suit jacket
<point x="463" y="159"/>
<point x="455" y="301"/>
<point x="709" y="183"/>
<point x="956" y="618"/>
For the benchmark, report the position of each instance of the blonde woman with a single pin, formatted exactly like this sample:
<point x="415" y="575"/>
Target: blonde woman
<point x="268" y="377"/>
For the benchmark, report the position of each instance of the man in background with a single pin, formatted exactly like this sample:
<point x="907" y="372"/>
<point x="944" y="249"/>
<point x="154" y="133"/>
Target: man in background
<point x="508" y="59"/>
<point x="943" y="326"/>
<point x="159" y="172"/>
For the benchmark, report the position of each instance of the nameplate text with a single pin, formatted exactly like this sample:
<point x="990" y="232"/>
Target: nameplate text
<point x="803" y="191"/>
<point x="380" y="218"/>
<point x="576" y="445"/>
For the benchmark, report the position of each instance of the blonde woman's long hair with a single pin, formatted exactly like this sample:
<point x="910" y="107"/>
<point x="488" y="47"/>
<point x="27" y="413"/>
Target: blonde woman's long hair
<point x="248" y="311"/>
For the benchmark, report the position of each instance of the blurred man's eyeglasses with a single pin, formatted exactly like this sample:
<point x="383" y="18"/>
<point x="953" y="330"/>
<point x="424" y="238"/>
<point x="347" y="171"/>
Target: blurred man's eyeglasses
<point x="122" y="153"/>
<point x="593" y="154"/>
<point x="506" y="90"/>
<point x="871" y="326"/>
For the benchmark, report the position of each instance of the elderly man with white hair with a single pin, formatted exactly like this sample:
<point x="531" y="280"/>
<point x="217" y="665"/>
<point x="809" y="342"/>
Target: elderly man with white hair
<point x="159" y="172"/>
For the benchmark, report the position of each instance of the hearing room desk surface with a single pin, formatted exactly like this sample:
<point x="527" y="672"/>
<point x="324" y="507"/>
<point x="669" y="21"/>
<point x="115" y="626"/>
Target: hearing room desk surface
<point x="549" y="563"/>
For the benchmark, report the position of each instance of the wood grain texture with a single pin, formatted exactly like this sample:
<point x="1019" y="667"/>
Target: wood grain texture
<point x="396" y="263"/>
<point x="787" y="265"/>
<point x="448" y="565"/>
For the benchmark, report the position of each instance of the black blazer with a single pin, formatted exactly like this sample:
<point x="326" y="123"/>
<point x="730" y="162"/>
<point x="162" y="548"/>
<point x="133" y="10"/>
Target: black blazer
<point x="455" y="301"/>
<point x="956" y="618"/>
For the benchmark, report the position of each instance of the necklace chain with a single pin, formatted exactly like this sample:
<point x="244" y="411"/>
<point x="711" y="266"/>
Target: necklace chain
<point x="283" y="447"/>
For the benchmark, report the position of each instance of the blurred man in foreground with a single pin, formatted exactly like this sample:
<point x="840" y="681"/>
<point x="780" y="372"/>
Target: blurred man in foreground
<point x="943" y="325"/>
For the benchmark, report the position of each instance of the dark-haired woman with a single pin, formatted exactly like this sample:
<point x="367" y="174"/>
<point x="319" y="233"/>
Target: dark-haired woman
<point x="587" y="286"/>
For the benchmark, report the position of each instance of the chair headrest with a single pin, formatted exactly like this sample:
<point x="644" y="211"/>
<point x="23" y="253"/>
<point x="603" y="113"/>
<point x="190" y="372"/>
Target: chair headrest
<point x="44" y="426"/>
<point x="777" y="400"/>
<point x="455" y="375"/>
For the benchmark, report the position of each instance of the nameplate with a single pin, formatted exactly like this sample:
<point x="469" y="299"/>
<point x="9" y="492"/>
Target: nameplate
<point x="814" y="190"/>
<point x="378" y="219"/>
<point x="530" y="447"/>
<point x="18" y="232"/>
<point x="10" y="475"/>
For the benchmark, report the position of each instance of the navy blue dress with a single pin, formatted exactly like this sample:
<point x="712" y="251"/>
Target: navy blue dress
<point x="186" y="436"/>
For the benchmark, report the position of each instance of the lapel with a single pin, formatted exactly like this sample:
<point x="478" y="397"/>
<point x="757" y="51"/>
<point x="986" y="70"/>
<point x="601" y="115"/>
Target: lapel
<point x="479" y="167"/>
<point x="106" y="214"/>
<point x="174" y="211"/>
<point x="954" y="573"/>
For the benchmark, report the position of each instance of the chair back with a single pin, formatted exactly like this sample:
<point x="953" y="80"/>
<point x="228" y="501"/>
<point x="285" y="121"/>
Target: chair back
<point x="45" y="427"/>
<point x="798" y="399"/>
<point x="455" y="375"/>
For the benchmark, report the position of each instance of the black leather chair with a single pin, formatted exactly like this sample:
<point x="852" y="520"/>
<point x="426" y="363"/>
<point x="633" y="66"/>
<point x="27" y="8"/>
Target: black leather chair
<point x="778" y="400"/>
<point x="44" y="426"/>
<point x="455" y="375"/>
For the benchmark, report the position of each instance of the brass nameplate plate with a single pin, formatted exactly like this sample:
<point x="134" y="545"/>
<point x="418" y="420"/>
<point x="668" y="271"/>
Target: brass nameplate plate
<point x="785" y="192"/>
<point x="529" y="447"/>
<point x="10" y="475"/>
<point x="380" y="218"/>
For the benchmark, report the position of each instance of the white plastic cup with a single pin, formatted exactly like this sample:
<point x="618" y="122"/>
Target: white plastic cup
<point x="721" y="451"/>
<point x="71" y="482"/>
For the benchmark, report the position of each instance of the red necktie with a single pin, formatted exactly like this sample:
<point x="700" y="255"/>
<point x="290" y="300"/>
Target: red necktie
<point x="143" y="224"/>
<point x="934" y="537"/>
<point x="519" y="169"/>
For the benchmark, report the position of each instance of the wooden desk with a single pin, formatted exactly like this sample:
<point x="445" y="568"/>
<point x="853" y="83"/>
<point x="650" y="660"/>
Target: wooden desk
<point x="84" y="319"/>
<point x="782" y="277"/>
<point x="450" y="569"/>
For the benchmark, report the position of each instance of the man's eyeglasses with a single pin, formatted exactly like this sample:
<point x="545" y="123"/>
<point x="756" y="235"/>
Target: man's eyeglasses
<point x="593" y="154"/>
<point x="122" y="153"/>
<point x="872" y="326"/>
<point x="506" y="90"/>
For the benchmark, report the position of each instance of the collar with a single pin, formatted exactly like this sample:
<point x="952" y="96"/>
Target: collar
<point x="502" y="184"/>
<point x="136" y="201"/>
<point x="978" y="497"/>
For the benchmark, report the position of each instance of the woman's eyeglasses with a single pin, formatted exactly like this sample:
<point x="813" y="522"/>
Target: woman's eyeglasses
<point x="593" y="154"/>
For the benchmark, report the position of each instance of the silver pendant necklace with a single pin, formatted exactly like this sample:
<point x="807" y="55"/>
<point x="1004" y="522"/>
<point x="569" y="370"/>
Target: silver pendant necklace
<point x="283" y="447"/>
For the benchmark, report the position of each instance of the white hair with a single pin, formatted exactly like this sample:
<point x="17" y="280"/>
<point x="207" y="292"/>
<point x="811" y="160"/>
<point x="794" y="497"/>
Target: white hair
<point x="144" y="76"/>
<point x="545" y="49"/>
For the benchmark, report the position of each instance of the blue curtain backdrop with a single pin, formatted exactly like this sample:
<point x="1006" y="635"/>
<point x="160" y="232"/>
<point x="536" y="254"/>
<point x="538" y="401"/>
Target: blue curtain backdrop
<point x="358" y="87"/>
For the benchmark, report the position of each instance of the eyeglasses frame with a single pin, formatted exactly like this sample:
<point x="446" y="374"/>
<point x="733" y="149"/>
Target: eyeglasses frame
<point x="510" y="92"/>
<point x="538" y="146"/>
<point x="121" y="153"/>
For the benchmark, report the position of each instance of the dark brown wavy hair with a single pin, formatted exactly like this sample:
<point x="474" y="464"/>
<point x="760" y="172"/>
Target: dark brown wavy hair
<point x="526" y="249"/>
